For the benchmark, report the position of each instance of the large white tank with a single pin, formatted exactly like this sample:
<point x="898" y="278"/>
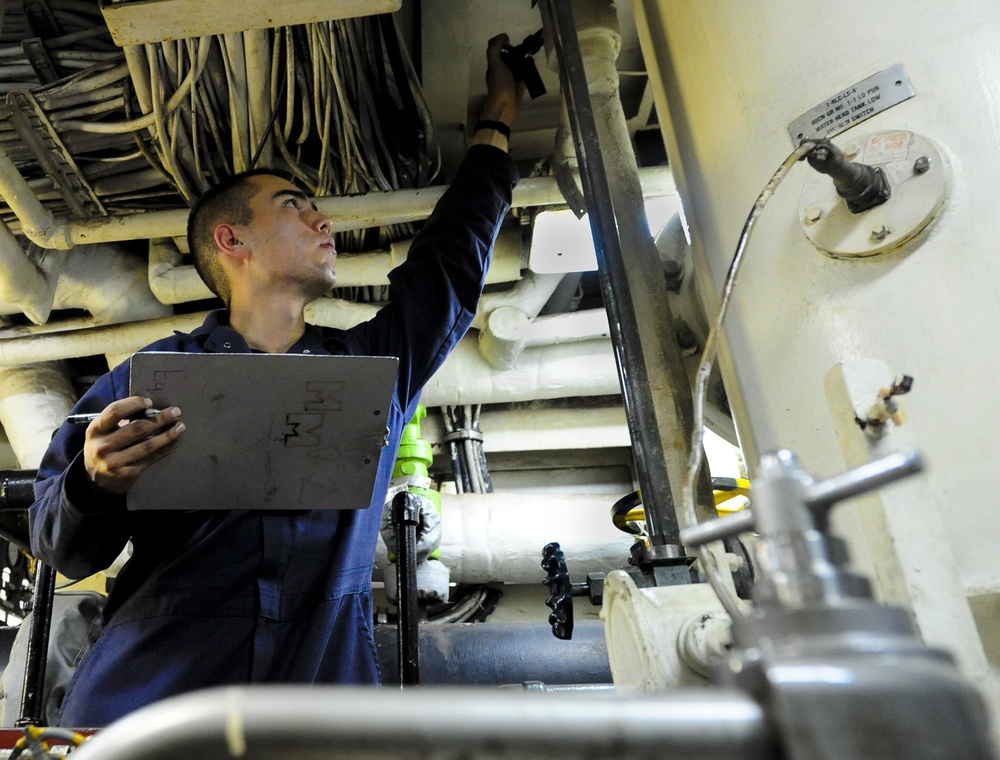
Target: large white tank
<point x="809" y="334"/>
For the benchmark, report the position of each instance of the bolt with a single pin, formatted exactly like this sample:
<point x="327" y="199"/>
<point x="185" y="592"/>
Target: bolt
<point x="686" y="337"/>
<point x="813" y="214"/>
<point x="881" y="233"/>
<point x="674" y="274"/>
<point x="921" y="165"/>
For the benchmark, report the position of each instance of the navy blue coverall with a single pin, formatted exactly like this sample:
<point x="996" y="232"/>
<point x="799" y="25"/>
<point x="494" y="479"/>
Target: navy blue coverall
<point x="231" y="597"/>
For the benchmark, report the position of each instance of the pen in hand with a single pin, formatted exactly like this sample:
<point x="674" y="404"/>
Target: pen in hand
<point x="86" y="419"/>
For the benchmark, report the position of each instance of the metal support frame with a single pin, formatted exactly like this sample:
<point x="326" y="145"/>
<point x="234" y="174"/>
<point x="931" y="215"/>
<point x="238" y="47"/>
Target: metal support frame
<point x="32" y="703"/>
<point x="633" y="283"/>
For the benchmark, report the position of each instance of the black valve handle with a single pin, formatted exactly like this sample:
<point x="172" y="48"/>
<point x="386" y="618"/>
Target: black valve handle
<point x="560" y="597"/>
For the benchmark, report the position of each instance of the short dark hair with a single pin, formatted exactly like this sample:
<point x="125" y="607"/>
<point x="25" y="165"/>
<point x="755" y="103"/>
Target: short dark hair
<point x="226" y="203"/>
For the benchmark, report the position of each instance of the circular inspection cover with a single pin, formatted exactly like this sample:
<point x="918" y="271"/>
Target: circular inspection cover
<point x="918" y="175"/>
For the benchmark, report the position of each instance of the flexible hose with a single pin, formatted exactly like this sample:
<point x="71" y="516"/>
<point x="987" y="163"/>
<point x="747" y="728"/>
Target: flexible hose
<point x="705" y="369"/>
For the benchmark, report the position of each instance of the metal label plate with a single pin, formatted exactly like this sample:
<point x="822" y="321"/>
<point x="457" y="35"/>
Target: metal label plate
<point x="854" y="104"/>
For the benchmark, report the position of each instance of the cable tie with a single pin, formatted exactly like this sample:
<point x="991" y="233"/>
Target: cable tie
<point x="463" y="435"/>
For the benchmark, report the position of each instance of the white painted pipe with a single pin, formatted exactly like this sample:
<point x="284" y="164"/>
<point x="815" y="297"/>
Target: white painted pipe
<point x="34" y="401"/>
<point x="37" y="222"/>
<point x="99" y="340"/>
<point x="589" y="324"/>
<point x="572" y="369"/>
<point x="529" y="295"/>
<point x="348" y="213"/>
<point x="173" y="282"/>
<point x="109" y="282"/>
<point x="502" y="340"/>
<point x="22" y="284"/>
<point x="509" y="331"/>
<point x="170" y="279"/>
<point x="567" y="370"/>
<point x="498" y="537"/>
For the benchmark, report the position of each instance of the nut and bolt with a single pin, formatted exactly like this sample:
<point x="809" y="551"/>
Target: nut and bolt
<point x="813" y="214"/>
<point x="881" y="233"/>
<point x="921" y="165"/>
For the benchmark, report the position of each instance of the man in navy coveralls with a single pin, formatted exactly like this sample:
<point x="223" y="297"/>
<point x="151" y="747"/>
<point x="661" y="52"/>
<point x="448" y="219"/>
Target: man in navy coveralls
<point x="236" y="597"/>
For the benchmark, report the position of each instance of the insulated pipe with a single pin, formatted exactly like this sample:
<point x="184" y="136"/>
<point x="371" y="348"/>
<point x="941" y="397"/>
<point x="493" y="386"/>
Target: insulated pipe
<point x="491" y="537"/>
<point x="348" y="213"/>
<point x="22" y="284"/>
<point x="37" y="222"/>
<point x="170" y="279"/>
<point x="34" y="401"/>
<point x="107" y="339"/>
<point x="530" y="295"/>
<point x="501" y="654"/>
<point x="570" y="369"/>
<point x="109" y="282"/>
<point x="173" y="282"/>
<point x="259" y="723"/>
<point x="509" y="331"/>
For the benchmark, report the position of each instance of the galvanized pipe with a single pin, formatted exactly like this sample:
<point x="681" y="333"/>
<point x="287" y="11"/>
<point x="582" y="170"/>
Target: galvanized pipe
<point x="344" y="722"/>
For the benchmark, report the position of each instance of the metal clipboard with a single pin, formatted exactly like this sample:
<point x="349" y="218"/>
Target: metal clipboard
<point x="266" y="431"/>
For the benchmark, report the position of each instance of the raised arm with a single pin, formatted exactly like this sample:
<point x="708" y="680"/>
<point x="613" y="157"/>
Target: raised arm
<point x="436" y="290"/>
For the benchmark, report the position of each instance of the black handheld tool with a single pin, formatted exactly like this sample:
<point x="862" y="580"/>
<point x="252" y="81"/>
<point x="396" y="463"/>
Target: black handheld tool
<point x="522" y="65"/>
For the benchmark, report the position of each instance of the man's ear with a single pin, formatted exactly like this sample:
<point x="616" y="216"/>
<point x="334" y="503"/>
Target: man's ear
<point x="228" y="239"/>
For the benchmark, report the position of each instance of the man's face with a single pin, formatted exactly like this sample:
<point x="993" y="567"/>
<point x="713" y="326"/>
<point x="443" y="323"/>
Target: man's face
<point x="289" y="240"/>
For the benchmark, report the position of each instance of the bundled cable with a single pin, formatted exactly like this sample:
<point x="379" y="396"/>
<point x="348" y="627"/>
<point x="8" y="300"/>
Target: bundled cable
<point x="337" y="104"/>
<point x="465" y="449"/>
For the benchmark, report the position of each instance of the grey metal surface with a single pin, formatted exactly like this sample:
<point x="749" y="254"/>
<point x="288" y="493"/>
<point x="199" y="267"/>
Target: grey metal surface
<point x="842" y="675"/>
<point x="495" y="654"/>
<point x="332" y="722"/>
<point x="311" y="429"/>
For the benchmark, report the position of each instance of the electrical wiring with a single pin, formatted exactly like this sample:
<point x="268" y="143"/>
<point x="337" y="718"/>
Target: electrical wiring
<point x="336" y="101"/>
<point x="147" y="120"/>
<point x="465" y="449"/>
<point x="705" y="369"/>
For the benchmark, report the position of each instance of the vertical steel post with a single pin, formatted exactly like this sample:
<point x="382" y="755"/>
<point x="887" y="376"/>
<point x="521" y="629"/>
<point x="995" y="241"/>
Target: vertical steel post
<point x="405" y="518"/>
<point x="655" y="387"/>
<point x="38" y="646"/>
